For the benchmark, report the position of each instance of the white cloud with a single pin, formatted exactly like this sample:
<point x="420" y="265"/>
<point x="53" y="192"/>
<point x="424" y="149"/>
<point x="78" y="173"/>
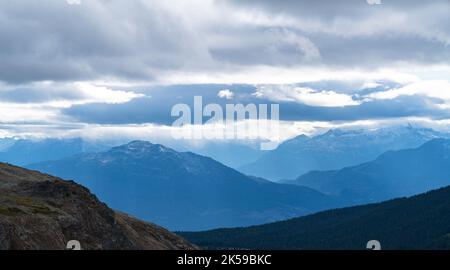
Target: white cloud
<point x="264" y="74"/>
<point x="101" y="94"/>
<point x="26" y="113"/>
<point x="226" y="93"/>
<point x="305" y="95"/>
<point x="63" y="95"/>
<point x="164" y="134"/>
<point x="435" y="89"/>
<point x="370" y="84"/>
<point x="42" y="102"/>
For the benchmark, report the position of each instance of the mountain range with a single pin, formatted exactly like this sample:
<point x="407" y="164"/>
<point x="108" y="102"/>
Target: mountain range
<point x="183" y="190"/>
<point x="186" y="191"/>
<point x="5" y="143"/>
<point x="418" y="222"/>
<point x="42" y="212"/>
<point x="229" y="153"/>
<point x="335" y="149"/>
<point x="393" y="174"/>
<point x="23" y="151"/>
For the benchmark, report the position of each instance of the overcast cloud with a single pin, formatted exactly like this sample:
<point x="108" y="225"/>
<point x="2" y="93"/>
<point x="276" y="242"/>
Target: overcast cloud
<point x="100" y="62"/>
<point x="143" y="40"/>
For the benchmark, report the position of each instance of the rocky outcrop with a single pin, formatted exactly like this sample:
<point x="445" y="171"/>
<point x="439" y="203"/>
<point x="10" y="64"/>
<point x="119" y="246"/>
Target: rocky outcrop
<point x="41" y="212"/>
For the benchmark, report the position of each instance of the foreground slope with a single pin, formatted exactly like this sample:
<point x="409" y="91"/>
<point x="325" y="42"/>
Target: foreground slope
<point x="39" y="211"/>
<point x="184" y="191"/>
<point x="419" y="222"/>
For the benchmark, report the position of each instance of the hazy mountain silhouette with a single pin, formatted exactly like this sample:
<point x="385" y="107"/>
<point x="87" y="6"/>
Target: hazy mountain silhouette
<point x="334" y="150"/>
<point x="184" y="190"/>
<point x="23" y="152"/>
<point x="392" y="174"/>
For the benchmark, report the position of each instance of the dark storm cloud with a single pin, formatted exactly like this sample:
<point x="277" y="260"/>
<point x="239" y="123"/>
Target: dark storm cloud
<point x="140" y="40"/>
<point x="51" y="40"/>
<point x="39" y="95"/>
<point x="355" y="34"/>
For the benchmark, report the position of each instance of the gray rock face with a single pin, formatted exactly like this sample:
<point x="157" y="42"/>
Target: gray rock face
<point x="41" y="212"/>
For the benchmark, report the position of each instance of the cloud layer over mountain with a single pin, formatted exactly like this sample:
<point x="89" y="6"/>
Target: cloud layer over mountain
<point x="72" y="67"/>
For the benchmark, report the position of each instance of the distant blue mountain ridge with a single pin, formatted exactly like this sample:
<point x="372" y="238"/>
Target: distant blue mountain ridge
<point x="23" y="151"/>
<point x="393" y="174"/>
<point x="183" y="190"/>
<point x="186" y="191"/>
<point x="335" y="149"/>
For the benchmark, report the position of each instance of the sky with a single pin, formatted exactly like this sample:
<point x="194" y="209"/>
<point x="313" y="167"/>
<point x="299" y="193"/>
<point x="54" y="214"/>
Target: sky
<point x="113" y="68"/>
